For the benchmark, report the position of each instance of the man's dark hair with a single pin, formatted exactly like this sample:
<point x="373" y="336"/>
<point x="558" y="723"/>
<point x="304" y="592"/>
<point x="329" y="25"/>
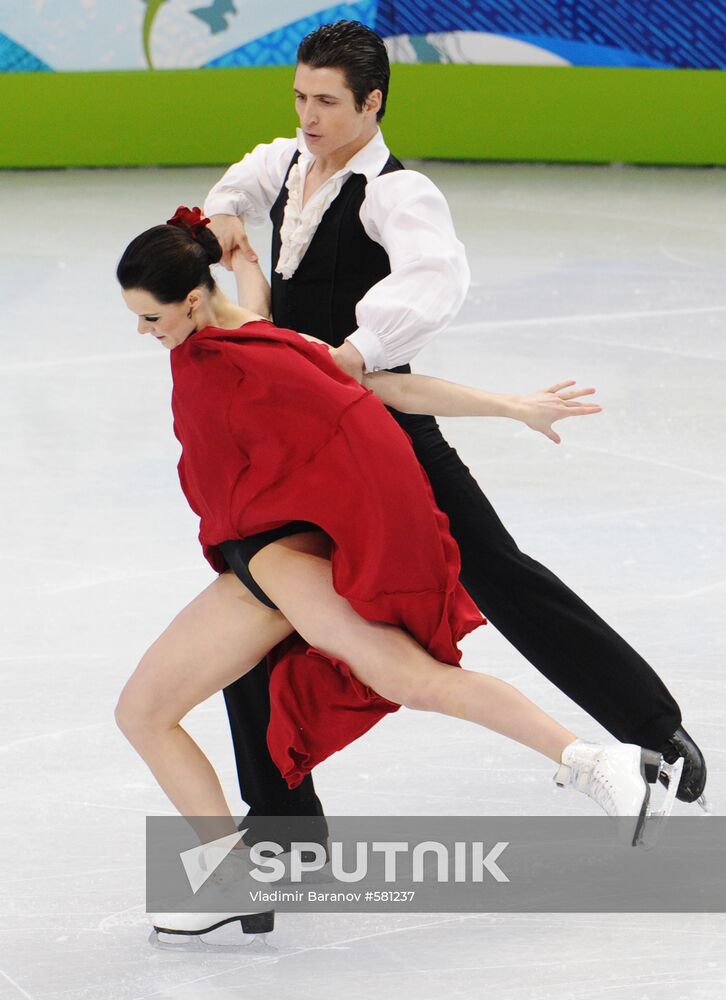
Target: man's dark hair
<point x="357" y="51"/>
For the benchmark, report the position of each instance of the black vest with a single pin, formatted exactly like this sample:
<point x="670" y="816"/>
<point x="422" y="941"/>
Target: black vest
<point x="341" y="263"/>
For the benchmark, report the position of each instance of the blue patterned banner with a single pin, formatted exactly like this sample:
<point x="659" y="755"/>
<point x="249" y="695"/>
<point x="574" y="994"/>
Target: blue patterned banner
<point x="144" y="34"/>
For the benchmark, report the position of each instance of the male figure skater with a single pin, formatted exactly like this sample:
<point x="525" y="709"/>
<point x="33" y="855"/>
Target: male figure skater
<point x="364" y="257"/>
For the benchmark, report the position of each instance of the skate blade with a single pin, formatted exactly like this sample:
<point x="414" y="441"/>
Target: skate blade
<point x="198" y="944"/>
<point x="650" y="832"/>
<point x="703" y="802"/>
<point x="250" y="923"/>
<point x="673" y="773"/>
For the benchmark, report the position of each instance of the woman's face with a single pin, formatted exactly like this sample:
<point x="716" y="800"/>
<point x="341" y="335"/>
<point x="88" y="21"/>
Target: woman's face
<point x="169" y="323"/>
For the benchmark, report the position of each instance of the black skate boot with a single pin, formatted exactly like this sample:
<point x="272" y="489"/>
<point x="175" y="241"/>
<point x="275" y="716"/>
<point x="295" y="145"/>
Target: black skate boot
<point x="693" y="777"/>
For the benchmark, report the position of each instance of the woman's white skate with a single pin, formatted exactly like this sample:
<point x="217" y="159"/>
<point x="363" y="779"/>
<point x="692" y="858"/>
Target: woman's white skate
<point x="227" y="877"/>
<point x="618" y="777"/>
<point x="195" y="924"/>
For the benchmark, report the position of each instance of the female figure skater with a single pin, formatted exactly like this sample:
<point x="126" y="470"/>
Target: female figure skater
<point x="331" y="553"/>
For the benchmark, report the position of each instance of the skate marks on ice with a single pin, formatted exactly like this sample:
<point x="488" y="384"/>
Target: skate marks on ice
<point x="16" y="986"/>
<point x="637" y="248"/>
<point x="516" y="957"/>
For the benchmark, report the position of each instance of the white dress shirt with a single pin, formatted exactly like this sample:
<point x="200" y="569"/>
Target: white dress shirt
<point x="403" y="211"/>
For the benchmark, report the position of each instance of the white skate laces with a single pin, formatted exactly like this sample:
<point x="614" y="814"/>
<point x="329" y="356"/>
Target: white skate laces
<point x="618" y="776"/>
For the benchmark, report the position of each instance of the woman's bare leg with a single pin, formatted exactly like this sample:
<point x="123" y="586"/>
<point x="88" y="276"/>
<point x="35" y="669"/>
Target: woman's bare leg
<point x="217" y="638"/>
<point x="391" y="662"/>
<point x="225" y="631"/>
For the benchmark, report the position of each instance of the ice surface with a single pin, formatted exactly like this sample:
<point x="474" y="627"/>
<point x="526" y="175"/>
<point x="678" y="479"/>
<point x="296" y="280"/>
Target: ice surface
<point x="611" y="276"/>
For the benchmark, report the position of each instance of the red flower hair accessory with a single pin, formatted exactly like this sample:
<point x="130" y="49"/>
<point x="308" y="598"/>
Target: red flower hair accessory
<point x="188" y="218"/>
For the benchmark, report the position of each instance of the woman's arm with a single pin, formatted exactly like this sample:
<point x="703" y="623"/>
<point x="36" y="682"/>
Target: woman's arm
<point x="424" y="394"/>
<point x="253" y="289"/>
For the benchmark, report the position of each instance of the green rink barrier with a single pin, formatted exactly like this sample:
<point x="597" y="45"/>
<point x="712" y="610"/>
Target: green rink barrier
<point x="461" y="112"/>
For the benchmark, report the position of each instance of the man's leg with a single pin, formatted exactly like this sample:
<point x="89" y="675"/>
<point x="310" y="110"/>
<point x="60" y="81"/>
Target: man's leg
<point x="548" y="623"/>
<point x="262" y="787"/>
<point x="552" y="627"/>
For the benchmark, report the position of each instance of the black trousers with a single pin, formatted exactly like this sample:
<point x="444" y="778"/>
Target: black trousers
<point x="548" y="623"/>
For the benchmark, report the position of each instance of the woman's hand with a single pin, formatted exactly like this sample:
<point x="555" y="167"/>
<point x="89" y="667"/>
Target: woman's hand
<point x="232" y="236"/>
<point x="541" y="409"/>
<point x="349" y="359"/>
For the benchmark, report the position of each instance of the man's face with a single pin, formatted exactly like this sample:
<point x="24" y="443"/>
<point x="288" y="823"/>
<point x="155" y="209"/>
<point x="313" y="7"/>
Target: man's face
<point x="326" y="108"/>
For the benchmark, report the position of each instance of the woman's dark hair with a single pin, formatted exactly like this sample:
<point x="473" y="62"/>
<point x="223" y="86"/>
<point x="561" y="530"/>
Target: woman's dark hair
<point x="168" y="262"/>
<point x="354" y="49"/>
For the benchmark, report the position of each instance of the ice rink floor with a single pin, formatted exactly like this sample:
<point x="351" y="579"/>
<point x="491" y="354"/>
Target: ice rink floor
<point x="612" y="276"/>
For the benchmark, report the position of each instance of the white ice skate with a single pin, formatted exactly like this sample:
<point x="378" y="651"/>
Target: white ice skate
<point x="234" y="869"/>
<point x="194" y="924"/>
<point x="227" y="877"/>
<point x="618" y="777"/>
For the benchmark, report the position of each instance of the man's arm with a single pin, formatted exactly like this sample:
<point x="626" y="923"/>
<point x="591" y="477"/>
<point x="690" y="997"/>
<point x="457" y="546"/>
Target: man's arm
<point x="408" y="215"/>
<point x="247" y="192"/>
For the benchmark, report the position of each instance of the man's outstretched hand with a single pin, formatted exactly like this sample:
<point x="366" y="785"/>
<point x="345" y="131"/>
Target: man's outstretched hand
<point x="231" y="235"/>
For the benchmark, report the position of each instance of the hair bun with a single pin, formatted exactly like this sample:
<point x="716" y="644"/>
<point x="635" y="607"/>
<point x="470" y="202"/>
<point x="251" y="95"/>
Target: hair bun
<point x="195" y="223"/>
<point x="210" y="244"/>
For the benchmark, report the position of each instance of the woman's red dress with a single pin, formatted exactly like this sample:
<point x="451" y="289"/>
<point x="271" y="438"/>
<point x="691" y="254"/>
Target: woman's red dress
<point x="272" y="430"/>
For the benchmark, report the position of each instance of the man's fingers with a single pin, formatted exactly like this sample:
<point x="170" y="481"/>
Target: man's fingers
<point x="231" y="234"/>
<point x="244" y="246"/>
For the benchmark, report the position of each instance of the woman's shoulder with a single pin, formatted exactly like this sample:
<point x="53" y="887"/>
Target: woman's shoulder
<point x="255" y="342"/>
<point x="212" y="339"/>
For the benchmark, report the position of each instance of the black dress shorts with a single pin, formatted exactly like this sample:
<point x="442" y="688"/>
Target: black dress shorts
<point x="238" y="552"/>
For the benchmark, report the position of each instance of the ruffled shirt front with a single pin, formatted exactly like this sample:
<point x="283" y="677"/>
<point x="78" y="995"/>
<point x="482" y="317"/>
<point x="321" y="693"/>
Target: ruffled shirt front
<point x="301" y="221"/>
<point x="403" y="211"/>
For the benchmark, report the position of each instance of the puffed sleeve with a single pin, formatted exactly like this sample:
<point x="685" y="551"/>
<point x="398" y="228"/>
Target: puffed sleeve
<point x="406" y="213"/>
<point x="249" y="188"/>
